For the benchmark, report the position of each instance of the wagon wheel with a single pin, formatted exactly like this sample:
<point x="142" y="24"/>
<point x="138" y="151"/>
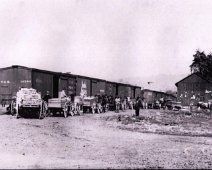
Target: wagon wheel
<point x="75" y="108"/>
<point x="98" y="109"/>
<point x="72" y="110"/>
<point x="106" y="108"/>
<point x="17" y="112"/>
<point x="39" y="112"/>
<point x="65" y="110"/>
<point x="80" y="110"/>
<point x="72" y="113"/>
<point x="42" y="111"/>
<point x="93" y="109"/>
<point x="45" y="109"/>
<point x="12" y="110"/>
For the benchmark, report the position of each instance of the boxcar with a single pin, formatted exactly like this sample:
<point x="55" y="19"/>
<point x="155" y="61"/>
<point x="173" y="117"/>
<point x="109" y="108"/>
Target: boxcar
<point x="98" y="87"/>
<point x="67" y="83"/>
<point x="111" y="88"/>
<point x="124" y="90"/>
<point x="137" y="91"/>
<point x="150" y="96"/>
<point x="43" y="81"/>
<point x="83" y="85"/>
<point x="11" y="79"/>
<point x="14" y="77"/>
<point x="6" y="83"/>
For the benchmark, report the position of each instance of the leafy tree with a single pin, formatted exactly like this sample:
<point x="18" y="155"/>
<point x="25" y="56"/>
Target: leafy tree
<point x="202" y="64"/>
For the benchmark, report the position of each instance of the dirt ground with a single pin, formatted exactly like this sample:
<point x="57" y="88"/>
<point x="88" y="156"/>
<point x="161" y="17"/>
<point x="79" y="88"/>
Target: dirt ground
<point x="156" y="139"/>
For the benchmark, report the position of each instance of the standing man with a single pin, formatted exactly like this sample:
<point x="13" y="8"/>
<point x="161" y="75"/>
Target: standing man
<point x="137" y="106"/>
<point x="117" y="104"/>
<point x="47" y="97"/>
<point x="104" y="103"/>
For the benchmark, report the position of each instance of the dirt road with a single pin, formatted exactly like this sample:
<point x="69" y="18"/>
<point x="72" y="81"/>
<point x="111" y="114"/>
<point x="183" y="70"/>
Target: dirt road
<point x="91" y="142"/>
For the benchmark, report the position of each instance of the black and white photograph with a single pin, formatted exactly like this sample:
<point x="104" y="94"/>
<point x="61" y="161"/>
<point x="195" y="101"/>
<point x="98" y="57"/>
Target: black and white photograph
<point x="105" y="84"/>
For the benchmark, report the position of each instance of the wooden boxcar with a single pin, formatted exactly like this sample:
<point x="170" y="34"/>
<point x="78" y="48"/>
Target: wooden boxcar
<point x="67" y="82"/>
<point x="125" y="90"/>
<point x="11" y="78"/>
<point x="122" y="90"/>
<point x="150" y="96"/>
<point x="14" y="77"/>
<point x="111" y="88"/>
<point x="44" y="81"/>
<point x="98" y="86"/>
<point x="83" y="85"/>
<point x="137" y="91"/>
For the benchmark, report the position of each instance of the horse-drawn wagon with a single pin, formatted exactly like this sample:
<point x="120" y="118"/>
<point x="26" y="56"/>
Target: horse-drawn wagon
<point x="27" y="101"/>
<point x="89" y="103"/>
<point x="59" y="105"/>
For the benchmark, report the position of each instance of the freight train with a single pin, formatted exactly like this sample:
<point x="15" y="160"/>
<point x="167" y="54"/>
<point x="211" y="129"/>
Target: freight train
<point x="150" y="97"/>
<point x="14" y="77"/>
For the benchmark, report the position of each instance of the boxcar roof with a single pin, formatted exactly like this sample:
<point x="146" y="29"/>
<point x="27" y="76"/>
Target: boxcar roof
<point x="91" y="78"/>
<point x="30" y="68"/>
<point x="46" y="71"/>
<point x="112" y="82"/>
<point x="159" y="92"/>
<point x="152" y="91"/>
<point x="67" y="75"/>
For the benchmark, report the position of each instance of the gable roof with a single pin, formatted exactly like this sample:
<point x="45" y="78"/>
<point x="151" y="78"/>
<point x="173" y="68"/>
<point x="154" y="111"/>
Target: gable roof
<point x="198" y="74"/>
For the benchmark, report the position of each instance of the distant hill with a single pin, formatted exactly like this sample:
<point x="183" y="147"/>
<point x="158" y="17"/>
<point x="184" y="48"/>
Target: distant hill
<point x="161" y="82"/>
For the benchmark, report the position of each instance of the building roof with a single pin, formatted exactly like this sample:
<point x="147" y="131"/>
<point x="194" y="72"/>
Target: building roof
<point x="152" y="90"/>
<point x="209" y="80"/>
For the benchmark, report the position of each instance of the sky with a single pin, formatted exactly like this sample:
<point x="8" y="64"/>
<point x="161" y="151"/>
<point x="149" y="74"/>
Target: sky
<point x="109" y="39"/>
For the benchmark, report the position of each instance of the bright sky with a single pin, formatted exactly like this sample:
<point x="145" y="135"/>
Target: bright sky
<point x="105" y="38"/>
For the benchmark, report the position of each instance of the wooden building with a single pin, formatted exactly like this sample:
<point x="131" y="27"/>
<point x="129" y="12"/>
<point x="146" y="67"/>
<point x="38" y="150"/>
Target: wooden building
<point x="194" y="88"/>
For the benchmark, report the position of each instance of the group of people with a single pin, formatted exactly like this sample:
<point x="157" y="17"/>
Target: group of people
<point x="106" y="102"/>
<point x="110" y="103"/>
<point x="3" y="102"/>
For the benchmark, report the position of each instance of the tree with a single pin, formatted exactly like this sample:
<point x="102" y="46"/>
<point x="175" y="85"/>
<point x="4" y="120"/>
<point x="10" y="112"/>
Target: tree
<point x="202" y="64"/>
